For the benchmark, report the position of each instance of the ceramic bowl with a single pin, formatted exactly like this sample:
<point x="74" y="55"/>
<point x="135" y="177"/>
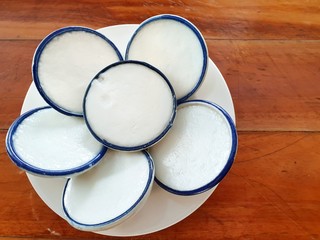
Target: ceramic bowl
<point x="66" y="61"/>
<point x="199" y="150"/>
<point x="128" y="99"/>
<point x="110" y="193"/>
<point x="45" y="142"/>
<point x="176" y="47"/>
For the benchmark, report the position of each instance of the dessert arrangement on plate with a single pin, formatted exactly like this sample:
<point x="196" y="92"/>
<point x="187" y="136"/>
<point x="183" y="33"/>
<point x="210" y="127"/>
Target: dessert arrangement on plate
<point x="119" y="124"/>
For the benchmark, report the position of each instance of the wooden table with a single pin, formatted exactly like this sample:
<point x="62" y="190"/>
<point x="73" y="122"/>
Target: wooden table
<point x="269" y="54"/>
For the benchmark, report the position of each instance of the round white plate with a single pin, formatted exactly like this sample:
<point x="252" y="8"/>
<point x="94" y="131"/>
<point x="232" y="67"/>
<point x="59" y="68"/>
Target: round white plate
<point x="162" y="209"/>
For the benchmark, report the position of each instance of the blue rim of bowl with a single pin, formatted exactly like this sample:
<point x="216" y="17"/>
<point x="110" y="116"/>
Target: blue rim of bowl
<point x="147" y="144"/>
<point x="38" y="53"/>
<point x="194" y="29"/>
<point x="17" y="160"/>
<point x="230" y="160"/>
<point x="114" y="221"/>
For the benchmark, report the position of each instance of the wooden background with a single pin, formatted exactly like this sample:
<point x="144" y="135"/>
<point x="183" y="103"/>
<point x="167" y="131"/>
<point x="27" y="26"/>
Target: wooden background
<point x="269" y="54"/>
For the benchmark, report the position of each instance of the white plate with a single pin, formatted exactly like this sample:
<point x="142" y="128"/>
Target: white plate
<point x="162" y="209"/>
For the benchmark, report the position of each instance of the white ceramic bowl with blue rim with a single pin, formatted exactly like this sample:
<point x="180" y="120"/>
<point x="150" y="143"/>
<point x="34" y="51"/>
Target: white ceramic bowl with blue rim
<point x="175" y="63"/>
<point x="92" y="56"/>
<point x="21" y="151"/>
<point x="207" y="172"/>
<point x="111" y="193"/>
<point x="100" y="105"/>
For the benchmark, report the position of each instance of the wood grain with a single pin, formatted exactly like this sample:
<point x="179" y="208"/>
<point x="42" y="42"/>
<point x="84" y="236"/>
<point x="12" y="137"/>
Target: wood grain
<point x="257" y="199"/>
<point x="216" y="19"/>
<point x="269" y="55"/>
<point x="274" y="84"/>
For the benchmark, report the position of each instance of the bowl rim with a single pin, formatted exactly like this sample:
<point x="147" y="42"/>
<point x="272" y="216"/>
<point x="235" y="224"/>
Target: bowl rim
<point x="194" y="29"/>
<point x="149" y="143"/>
<point x="24" y="165"/>
<point x="39" y="50"/>
<point x="229" y="161"/>
<point x="114" y="221"/>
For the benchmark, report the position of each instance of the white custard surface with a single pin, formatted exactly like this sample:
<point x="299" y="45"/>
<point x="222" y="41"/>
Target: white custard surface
<point x="172" y="47"/>
<point x="51" y="141"/>
<point x="68" y="63"/>
<point x="110" y="192"/>
<point x="129" y="105"/>
<point x="196" y="149"/>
